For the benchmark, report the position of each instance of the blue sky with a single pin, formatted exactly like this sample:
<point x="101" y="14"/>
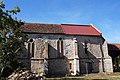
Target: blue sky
<point x="103" y="14"/>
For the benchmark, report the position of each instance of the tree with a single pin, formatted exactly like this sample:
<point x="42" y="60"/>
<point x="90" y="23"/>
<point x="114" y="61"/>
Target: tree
<point x="11" y="38"/>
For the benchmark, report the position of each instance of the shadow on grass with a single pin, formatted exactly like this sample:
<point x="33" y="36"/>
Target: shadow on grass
<point x="73" y="79"/>
<point x="82" y="79"/>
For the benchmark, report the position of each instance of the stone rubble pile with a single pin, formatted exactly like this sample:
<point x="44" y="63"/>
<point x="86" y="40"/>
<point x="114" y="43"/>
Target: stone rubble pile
<point x="22" y="74"/>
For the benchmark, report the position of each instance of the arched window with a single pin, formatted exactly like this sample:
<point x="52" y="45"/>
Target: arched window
<point x="70" y="65"/>
<point x="28" y="49"/>
<point x="60" y="47"/>
<point x="31" y="48"/>
<point x="32" y="54"/>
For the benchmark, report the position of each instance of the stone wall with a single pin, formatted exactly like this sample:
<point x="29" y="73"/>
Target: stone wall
<point x="37" y="66"/>
<point x="36" y="62"/>
<point x="95" y="60"/>
<point x="107" y="59"/>
<point x="57" y="67"/>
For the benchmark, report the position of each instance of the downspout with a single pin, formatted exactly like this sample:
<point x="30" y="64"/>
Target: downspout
<point x="101" y="43"/>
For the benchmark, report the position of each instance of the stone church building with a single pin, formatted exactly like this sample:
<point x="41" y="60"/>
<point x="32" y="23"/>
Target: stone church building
<point x="65" y="49"/>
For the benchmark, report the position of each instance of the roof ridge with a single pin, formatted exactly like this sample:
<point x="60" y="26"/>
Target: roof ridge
<point x="75" y="24"/>
<point x="42" y="23"/>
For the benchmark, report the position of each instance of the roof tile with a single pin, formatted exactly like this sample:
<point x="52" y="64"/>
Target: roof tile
<point x="115" y="47"/>
<point x="60" y="29"/>
<point x="41" y="28"/>
<point x="80" y="29"/>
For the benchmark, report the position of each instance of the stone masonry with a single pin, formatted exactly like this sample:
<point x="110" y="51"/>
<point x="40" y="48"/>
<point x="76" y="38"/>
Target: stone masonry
<point x="74" y="60"/>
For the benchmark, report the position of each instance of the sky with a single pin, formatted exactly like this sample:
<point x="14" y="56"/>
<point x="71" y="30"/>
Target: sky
<point x="103" y="14"/>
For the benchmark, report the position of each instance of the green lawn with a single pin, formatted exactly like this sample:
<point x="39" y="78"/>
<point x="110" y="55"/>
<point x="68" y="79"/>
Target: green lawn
<point x="102" y="76"/>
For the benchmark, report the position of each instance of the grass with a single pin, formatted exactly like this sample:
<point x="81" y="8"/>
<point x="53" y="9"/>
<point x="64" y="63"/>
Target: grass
<point x="100" y="76"/>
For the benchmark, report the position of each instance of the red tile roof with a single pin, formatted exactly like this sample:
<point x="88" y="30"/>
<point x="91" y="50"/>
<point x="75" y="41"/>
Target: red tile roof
<point x="80" y="29"/>
<point x="70" y="29"/>
<point x="115" y="47"/>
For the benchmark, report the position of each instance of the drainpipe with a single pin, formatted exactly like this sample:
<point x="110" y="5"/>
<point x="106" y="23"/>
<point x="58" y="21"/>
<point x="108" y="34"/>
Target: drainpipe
<point x="102" y="56"/>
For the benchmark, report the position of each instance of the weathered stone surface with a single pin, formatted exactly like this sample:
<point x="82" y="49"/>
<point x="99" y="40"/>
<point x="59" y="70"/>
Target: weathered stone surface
<point x="68" y="48"/>
<point x="58" y="67"/>
<point x="37" y="66"/>
<point x="46" y="48"/>
<point x="108" y="65"/>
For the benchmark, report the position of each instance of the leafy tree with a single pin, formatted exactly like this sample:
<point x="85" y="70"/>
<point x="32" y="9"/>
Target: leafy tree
<point x="11" y="38"/>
